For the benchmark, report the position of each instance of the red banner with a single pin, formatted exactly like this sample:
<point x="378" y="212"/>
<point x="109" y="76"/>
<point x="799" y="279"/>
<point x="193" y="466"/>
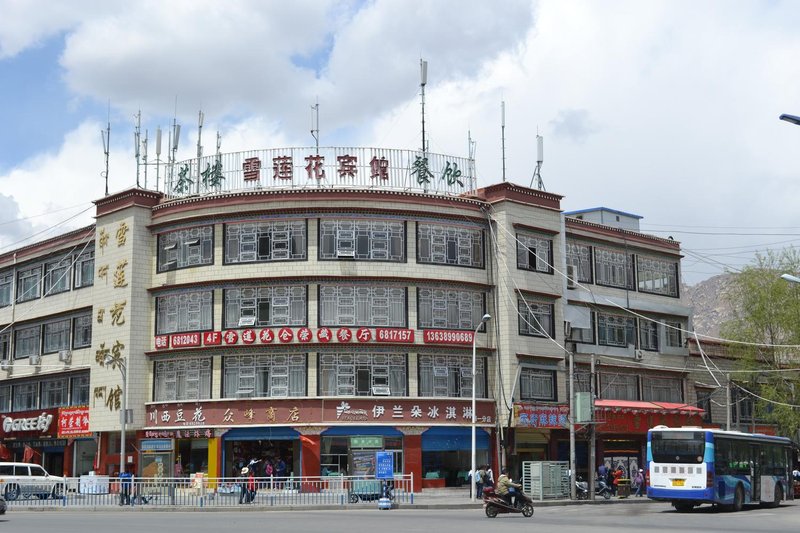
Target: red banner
<point x="183" y="340"/>
<point x="446" y="336"/>
<point x="73" y="422"/>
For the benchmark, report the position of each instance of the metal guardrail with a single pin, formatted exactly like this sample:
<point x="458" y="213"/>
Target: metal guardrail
<point x="212" y="492"/>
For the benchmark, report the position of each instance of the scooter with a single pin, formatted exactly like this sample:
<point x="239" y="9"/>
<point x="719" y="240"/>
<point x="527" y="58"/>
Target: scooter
<point x="600" y="489"/>
<point x="494" y="504"/>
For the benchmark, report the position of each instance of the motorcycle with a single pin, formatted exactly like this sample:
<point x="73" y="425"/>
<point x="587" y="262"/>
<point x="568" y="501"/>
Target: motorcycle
<point x="494" y="504"/>
<point x="600" y="489"/>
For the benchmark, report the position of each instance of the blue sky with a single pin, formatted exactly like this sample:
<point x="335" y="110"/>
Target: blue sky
<point x="664" y="109"/>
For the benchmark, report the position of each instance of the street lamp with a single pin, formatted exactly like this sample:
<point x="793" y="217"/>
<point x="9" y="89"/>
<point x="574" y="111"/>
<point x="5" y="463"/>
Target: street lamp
<point x="119" y="363"/>
<point x="791" y="118"/>
<point x="485" y="318"/>
<point x="790" y="278"/>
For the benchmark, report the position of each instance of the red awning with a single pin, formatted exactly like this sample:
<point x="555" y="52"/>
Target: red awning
<point x="627" y="406"/>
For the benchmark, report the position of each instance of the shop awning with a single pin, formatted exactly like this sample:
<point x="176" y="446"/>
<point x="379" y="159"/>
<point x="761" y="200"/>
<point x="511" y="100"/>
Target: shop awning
<point x="627" y="406"/>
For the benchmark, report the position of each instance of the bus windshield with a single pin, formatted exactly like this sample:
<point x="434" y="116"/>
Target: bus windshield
<point x="677" y="446"/>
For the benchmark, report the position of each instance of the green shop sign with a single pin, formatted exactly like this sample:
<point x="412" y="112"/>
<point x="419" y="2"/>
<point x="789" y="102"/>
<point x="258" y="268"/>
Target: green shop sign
<point x="366" y="442"/>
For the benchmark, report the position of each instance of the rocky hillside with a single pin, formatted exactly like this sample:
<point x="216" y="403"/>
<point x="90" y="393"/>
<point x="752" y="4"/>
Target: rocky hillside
<point x="711" y="308"/>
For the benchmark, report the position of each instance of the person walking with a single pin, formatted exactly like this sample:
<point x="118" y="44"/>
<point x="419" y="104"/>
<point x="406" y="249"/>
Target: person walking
<point x="480" y="480"/>
<point x="251" y="486"/>
<point x="243" y="484"/>
<point x="125" y="484"/>
<point x="638" y="482"/>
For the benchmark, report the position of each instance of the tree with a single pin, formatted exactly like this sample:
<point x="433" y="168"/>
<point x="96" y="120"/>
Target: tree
<point x="767" y="310"/>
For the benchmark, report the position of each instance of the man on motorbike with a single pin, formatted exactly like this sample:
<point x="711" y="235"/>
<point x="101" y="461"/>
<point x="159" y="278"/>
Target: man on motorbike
<point x="505" y="487"/>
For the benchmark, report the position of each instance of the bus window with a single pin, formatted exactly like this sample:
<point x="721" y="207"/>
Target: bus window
<point x="678" y="446"/>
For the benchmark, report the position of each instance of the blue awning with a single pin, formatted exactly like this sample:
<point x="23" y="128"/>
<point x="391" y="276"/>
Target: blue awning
<point x="443" y="439"/>
<point x="261" y="433"/>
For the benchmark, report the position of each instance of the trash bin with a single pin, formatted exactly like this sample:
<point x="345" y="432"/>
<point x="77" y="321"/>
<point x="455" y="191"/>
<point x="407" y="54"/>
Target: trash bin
<point x="624" y="488"/>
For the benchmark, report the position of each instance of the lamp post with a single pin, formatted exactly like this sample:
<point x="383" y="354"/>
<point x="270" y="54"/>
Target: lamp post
<point x="119" y="363"/>
<point x="472" y="486"/>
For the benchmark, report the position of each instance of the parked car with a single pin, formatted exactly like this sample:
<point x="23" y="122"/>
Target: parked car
<point x="27" y="479"/>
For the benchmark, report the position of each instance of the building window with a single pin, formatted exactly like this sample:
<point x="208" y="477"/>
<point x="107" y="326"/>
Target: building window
<point x="79" y="390"/>
<point x="5" y="344"/>
<point x="535" y="253"/>
<point x="537" y="384"/>
<point x="362" y="374"/>
<point x="264" y="376"/>
<point x="366" y="240"/>
<point x="28" y="282"/>
<point x="187" y="311"/>
<point x="82" y="336"/>
<point x="656" y="389"/>
<point x="579" y="256"/>
<point x="451" y="376"/>
<point x="56" y="336"/>
<point x="535" y="318"/>
<point x="265" y="306"/>
<point x="648" y="335"/>
<point x="583" y="381"/>
<point x="253" y="242"/>
<point x="54" y="393"/>
<point x="84" y="270"/>
<point x="186" y="248"/>
<point x="613" y="268"/>
<point x="449" y="245"/>
<point x="615" y="330"/>
<point x="449" y="309"/>
<point x="356" y="305"/>
<point x="56" y="276"/>
<point x="5" y="398"/>
<point x="704" y="403"/>
<point x="673" y="334"/>
<point x="657" y="276"/>
<point x="183" y="379"/>
<point x="25" y="396"/>
<point x="619" y="387"/>
<point x="6" y="288"/>
<point x="26" y="342"/>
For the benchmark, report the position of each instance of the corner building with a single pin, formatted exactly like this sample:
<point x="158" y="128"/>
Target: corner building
<point x="314" y="320"/>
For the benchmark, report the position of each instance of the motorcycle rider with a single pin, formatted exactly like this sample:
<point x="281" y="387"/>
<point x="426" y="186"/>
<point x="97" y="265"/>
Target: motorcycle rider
<point x="506" y="487"/>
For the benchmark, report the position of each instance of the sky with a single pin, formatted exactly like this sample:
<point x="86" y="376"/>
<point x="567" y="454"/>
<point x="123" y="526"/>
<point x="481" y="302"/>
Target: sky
<point x="668" y="110"/>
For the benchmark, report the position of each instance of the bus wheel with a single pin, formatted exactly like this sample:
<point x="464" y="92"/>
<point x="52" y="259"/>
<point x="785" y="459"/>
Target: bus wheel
<point x="683" y="507"/>
<point x="778" y="496"/>
<point x="738" y="498"/>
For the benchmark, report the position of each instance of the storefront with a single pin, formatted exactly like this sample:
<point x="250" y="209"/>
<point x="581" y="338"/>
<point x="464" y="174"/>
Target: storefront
<point x="176" y="453"/>
<point x="535" y="427"/>
<point x="447" y="455"/>
<point x="278" y="446"/>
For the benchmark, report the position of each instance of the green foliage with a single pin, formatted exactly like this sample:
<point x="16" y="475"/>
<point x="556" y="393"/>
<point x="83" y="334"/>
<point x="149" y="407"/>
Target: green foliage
<point x="768" y="313"/>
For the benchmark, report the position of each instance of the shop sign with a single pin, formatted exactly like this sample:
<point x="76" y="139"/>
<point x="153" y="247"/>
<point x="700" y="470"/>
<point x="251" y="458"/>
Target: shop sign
<point x="73" y="422"/>
<point x="36" y="443"/>
<point x="40" y="423"/>
<point x="446" y="336"/>
<point x="155" y="445"/>
<point x="640" y="422"/>
<point x="529" y="415"/>
<point x="384" y="465"/>
<point x="177" y="434"/>
<point x="289" y="411"/>
<point x="212" y="338"/>
<point x="366" y="442"/>
<point x="394" y="335"/>
<point x="184" y="340"/>
<point x="162" y="342"/>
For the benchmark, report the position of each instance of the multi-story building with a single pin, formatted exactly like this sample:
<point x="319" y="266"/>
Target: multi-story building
<point x="327" y="306"/>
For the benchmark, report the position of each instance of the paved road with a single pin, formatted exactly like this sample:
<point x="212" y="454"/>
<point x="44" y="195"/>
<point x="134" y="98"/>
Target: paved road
<point x="567" y="519"/>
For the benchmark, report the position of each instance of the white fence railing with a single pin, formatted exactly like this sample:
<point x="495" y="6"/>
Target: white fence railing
<point x="201" y="491"/>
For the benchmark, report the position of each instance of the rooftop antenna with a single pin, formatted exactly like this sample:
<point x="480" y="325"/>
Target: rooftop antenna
<point x="144" y="157"/>
<point x="219" y="143"/>
<point x="106" y="135"/>
<point x="137" y="142"/>
<point x="471" y="150"/>
<point x="315" y="120"/>
<point x="158" y="153"/>
<point x="503" y="135"/>
<point x="173" y="148"/>
<point x="423" y="71"/>
<point x="537" y="172"/>
<point x="200" y="118"/>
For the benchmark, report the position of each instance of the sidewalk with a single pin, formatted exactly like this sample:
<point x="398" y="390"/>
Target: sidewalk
<point x="458" y="498"/>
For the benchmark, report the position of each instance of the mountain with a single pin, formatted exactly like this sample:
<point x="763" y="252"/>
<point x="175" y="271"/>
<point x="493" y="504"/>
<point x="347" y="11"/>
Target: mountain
<point x="711" y="308"/>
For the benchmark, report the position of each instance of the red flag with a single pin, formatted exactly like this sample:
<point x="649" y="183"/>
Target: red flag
<point x="5" y="453"/>
<point x="28" y="454"/>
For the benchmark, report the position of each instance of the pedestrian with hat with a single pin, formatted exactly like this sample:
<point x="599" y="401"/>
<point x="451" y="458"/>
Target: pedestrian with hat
<point x="243" y="485"/>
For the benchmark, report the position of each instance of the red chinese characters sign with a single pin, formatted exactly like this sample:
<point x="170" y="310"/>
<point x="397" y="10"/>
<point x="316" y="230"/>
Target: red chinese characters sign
<point x="444" y="336"/>
<point x="640" y="422"/>
<point x="529" y="415"/>
<point x="317" y="411"/>
<point x="251" y="168"/>
<point x="73" y="422"/>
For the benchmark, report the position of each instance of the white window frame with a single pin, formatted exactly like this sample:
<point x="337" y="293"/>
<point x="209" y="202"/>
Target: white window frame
<point x="450" y="376"/>
<point x="185" y="311"/>
<point x="5" y="344"/>
<point x="186" y="248"/>
<point x="458" y="309"/>
<point x="579" y="255"/>
<point x="662" y="389"/>
<point x="657" y="275"/>
<point x="84" y="270"/>
<point x="673" y="334"/>
<point x="182" y="379"/>
<point x="449" y="245"/>
<point x="56" y="336"/>
<point x="357" y="374"/>
<point x="361" y="305"/>
<point x="27" y="393"/>
<point x="29" y="282"/>
<point x="615" y="330"/>
<point x="79" y="390"/>
<point x="536" y="318"/>
<point x="57" y="276"/>
<point x="54" y="393"/>
<point x="619" y="386"/>
<point x="277" y="375"/>
<point x="648" y="335"/>
<point x="27" y="341"/>
<point x="362" y="240"/>
<point x="82" y="331"/>
<point x="613" y="268"/>
<point x="6" y="288"/>
<point x="283" y="306"/>
<point x="535" y="253"/>
<point x="284" y="240"/>
<point x="5" y="398"/>
<point x="537" y="384"/>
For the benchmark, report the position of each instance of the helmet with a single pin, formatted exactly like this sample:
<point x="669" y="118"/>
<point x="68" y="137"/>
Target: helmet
<point x="504" y="471"/>
<point x="245" y="470"/>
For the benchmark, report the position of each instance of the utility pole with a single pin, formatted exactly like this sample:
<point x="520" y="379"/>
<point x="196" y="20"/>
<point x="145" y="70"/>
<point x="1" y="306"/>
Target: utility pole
<point x="592" y="434"/>
<point x="727" y="402"/>
<point x="572" y="413"/>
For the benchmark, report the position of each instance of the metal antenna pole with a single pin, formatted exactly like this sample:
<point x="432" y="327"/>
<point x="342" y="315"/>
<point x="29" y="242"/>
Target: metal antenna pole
<point x="144" y="158"/>
<point x="199" y="146"/>
<point x="503" y="135"/>
<point x="106" y="135"/>
<point x="137" y="143"/>
<point x="315" y="130"/>
<point x="423" y="65"/>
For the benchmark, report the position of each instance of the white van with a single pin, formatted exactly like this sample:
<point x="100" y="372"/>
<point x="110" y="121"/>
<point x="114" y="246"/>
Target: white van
<point x="27" y="479"/>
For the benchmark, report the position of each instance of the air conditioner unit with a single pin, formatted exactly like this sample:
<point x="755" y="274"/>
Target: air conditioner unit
<point x="35" y="360"/>
<point x="567" y="329"/>
<point x="4" y="364"/>
<point x="381" y="390"/>
<point x="65" y="356"/>
<point x="571" y="276"/>
<point x="638" y="355"/>
<point x="247" y="321"/>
